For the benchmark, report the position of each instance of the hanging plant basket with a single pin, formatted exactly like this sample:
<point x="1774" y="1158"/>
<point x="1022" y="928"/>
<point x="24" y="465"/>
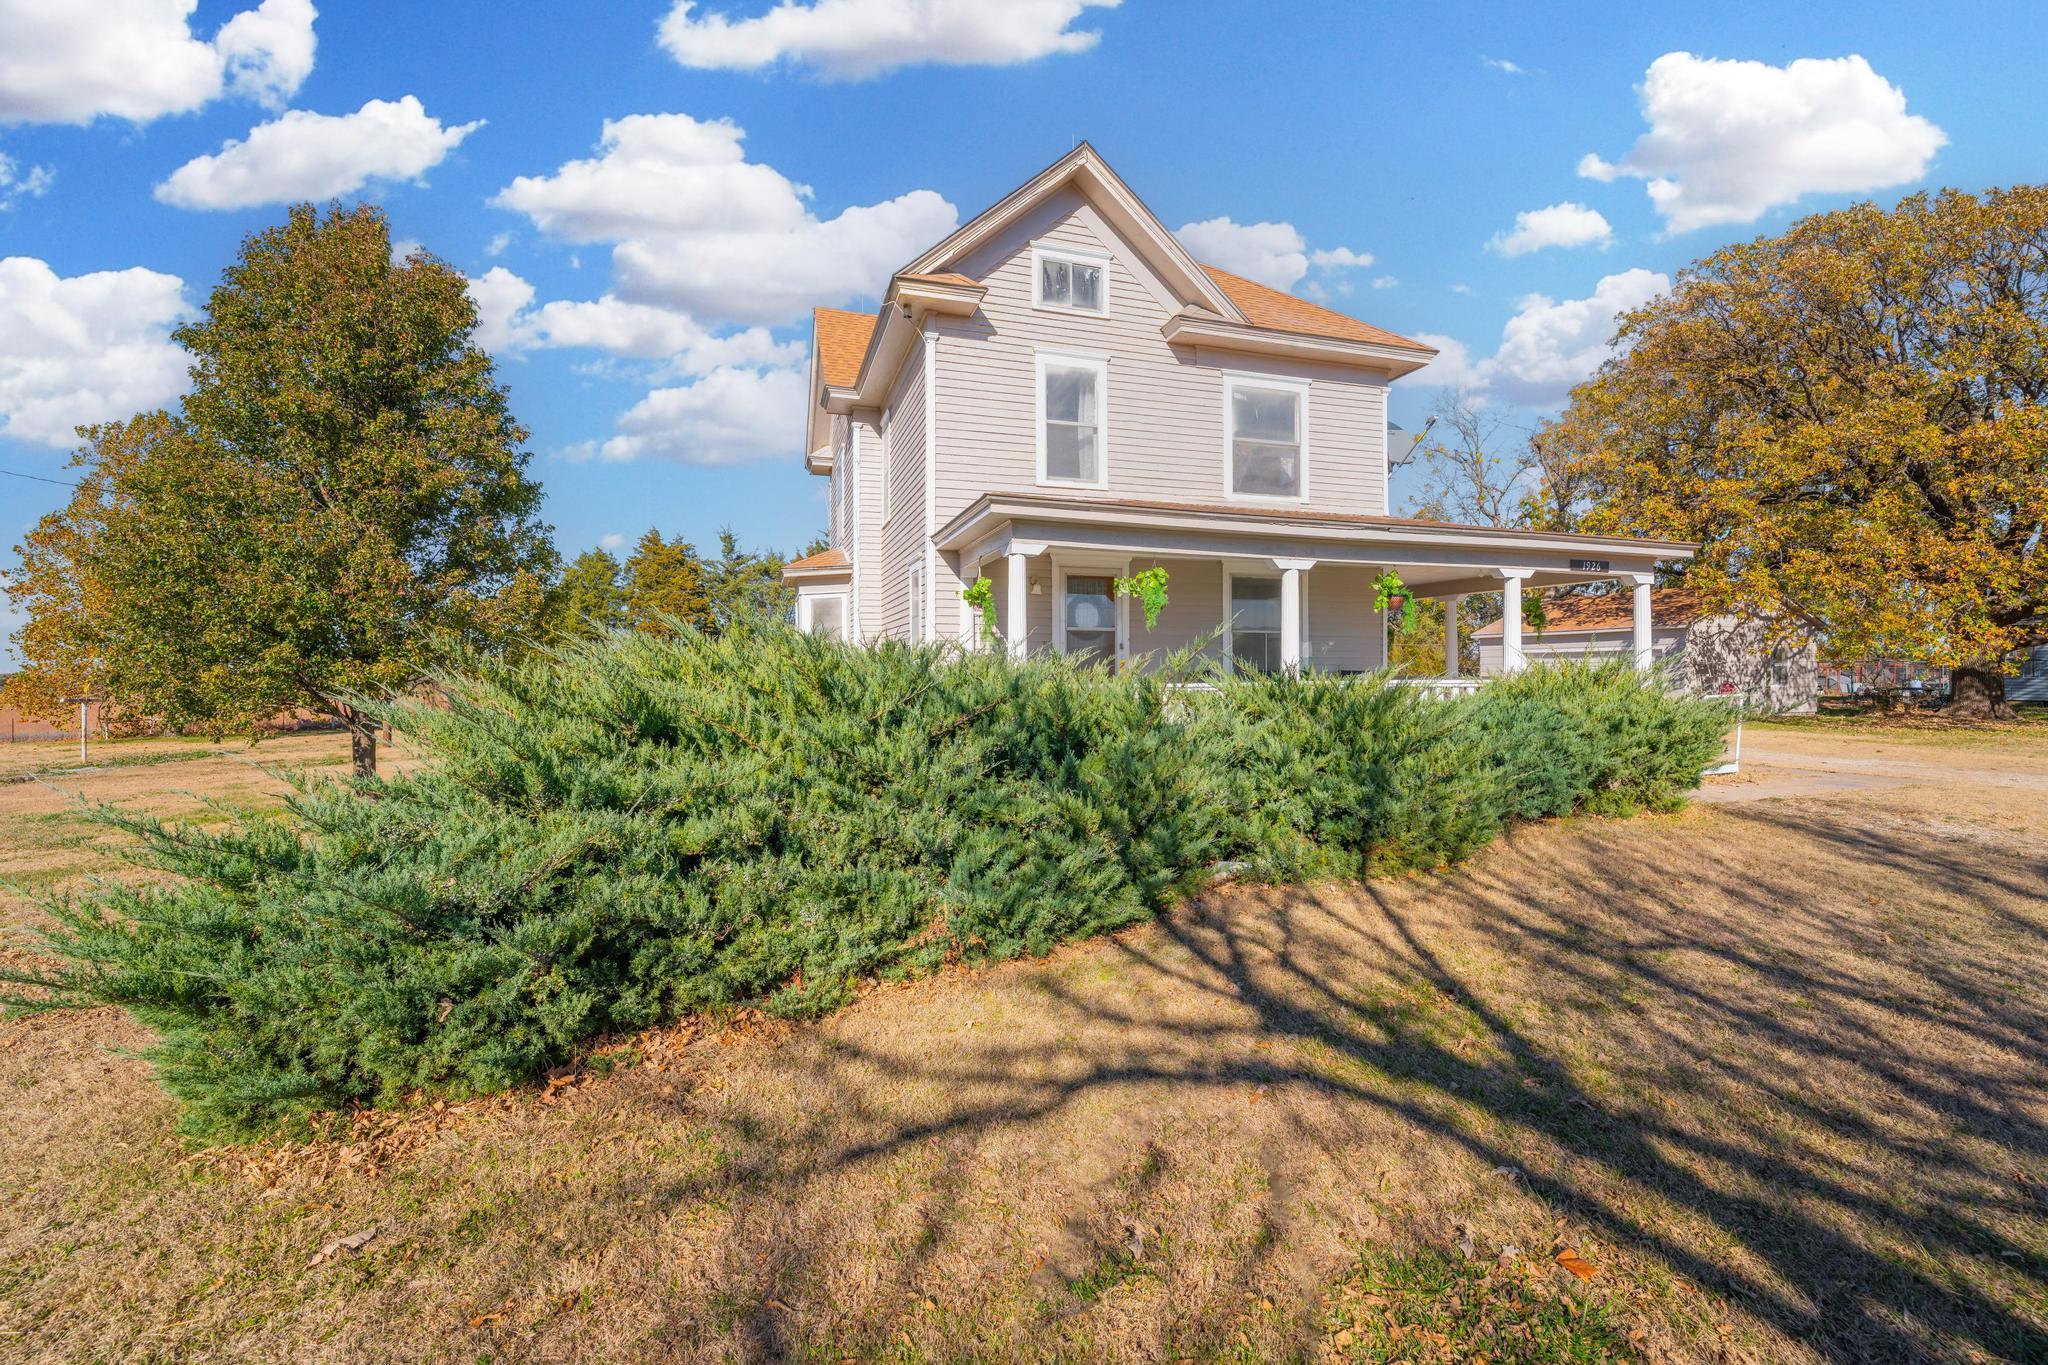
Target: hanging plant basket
<point x="1397" y="604"/>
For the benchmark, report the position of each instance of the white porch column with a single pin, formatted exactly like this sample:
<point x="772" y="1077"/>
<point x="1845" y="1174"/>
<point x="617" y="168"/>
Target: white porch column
<point x="1512" y="660"/>
<point x="1016" y="589"/>
<point x="1645" y="646"/>
<point x="1451" y="635"/>
<point x="1290" y="611"/>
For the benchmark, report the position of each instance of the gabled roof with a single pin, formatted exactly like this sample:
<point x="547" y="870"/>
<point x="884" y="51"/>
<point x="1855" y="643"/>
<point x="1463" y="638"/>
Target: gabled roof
<point x="1218" y="308"/>
<point x="841" y="339"/>
<point x="1610" y="611"/>
<point x="1126" y="212"/>
<point x="1278" y="311"/>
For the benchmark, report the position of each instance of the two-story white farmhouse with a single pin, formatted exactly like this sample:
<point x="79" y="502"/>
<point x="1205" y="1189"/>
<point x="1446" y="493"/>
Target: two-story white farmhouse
<point x="1058" y="394"/>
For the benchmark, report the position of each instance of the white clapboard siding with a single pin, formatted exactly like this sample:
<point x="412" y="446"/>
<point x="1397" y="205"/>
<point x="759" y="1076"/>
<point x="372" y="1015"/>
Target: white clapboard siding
<point x="1166" y="404"/>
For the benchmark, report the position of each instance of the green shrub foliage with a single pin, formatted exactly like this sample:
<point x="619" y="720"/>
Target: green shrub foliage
<point x="616" y="831"/>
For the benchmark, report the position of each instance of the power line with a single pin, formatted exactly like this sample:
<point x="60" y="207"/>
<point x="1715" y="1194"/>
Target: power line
<point x="61" y="483"/>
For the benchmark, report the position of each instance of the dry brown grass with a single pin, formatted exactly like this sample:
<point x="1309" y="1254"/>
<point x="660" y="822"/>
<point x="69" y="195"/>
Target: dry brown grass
<point x="1775" y="1068"/>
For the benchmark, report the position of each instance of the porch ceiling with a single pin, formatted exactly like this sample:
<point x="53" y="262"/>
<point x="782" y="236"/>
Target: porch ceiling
<point x="1435" y="559"/>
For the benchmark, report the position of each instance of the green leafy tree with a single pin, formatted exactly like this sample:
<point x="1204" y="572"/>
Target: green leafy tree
<point x="589" y="596"/>
<point x="340" y="501"/>
<point x="1852" y="417"/>
<point x="664" y="584"/>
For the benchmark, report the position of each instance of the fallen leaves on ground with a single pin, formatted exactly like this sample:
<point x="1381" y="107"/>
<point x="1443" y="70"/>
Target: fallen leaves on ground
<point x="343" y="1246"/>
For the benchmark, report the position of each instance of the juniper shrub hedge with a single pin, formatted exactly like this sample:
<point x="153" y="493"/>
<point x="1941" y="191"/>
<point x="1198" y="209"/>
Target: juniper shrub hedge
<point x="620" y="830"/>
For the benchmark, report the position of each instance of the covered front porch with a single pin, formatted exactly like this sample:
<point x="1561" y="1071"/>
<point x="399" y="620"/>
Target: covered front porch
<point x="1274" y="589"/>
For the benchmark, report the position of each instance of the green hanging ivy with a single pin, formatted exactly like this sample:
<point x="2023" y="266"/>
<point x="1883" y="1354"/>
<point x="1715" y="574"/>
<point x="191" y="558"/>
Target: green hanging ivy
<point x="981" y="595"/>
<point x="1149" y="587"/>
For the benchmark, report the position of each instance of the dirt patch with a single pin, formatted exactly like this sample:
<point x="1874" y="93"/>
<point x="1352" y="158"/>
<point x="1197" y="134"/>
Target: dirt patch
<point x="1774" y="1070"/>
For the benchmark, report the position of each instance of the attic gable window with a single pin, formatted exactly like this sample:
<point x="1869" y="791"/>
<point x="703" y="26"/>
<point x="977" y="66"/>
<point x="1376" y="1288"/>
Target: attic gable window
<point x="1069" y="280"/>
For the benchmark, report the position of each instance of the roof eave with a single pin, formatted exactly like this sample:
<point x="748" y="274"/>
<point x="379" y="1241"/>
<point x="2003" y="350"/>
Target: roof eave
<point x="791" y="575"/>
<point x="1392" y="361"/>
<point x="967" y="525"/>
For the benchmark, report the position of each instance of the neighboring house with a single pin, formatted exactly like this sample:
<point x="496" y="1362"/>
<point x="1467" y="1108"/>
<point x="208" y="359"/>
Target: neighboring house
<point x="2032" y="682"/>
<point x="1702" y="651"/>
<point x="1058" y="394"/>
<point x="17" y="725"/>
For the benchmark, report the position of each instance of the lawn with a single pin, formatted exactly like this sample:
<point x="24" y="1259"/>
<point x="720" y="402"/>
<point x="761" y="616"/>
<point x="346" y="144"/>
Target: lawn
<point x="1759" y="1081"/>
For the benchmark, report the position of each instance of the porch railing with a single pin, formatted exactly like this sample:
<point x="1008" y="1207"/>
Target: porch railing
<point x="1443" y="688"/>
<point x="1434" y="688"/>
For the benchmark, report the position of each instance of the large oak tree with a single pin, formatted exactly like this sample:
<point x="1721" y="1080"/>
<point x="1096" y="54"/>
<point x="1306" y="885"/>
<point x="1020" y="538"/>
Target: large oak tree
<point x="339" y="501"/>
<point x="1851" y="418"/>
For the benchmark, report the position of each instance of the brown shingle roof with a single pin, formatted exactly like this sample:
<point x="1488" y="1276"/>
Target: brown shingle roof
<point x="1612" y="611"/>
<point x="842" y="339"/>
<point x="824" y="559"/>
<point x="1282" y="312"/>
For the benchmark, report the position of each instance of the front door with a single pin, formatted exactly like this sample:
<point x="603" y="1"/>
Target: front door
<point x="1089" y="618"/>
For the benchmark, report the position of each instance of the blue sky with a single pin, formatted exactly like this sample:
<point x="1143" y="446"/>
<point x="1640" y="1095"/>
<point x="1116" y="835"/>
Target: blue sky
<point x="1319" y="135"/>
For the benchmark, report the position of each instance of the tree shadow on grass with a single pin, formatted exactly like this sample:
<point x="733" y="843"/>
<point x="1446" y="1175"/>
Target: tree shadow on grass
<point x="1806" y="1079"/>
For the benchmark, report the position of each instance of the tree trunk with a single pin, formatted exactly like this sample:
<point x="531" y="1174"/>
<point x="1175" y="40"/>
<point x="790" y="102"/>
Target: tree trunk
<point x="362" y="743"/>
<point x="1976" y="691"/>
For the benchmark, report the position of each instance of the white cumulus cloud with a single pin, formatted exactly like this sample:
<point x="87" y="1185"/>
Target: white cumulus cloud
<point x="729" y="416"/>
<point x="267" y="52"/>
<point x="304" y="155"/>
<point x="852" y="39"/>
<point x="1729" y="140"/>
<point x="72" y="61"/>
<point x="1548" y="345"/>
<point x="1273" y="254"/>
<point x="18" y="182"/>
<point x="698" y="228"/>
<point x="84" y="348"/>
<point x="509" y="321"/>
<point x="1565" y="224"/>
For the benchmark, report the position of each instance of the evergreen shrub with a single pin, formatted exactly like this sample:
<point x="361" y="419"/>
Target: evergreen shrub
<point x="609" y="833"/>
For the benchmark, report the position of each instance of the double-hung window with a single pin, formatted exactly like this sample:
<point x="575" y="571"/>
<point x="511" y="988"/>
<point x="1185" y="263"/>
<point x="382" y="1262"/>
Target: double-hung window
<point x="1268" y="446"/>
<point x="1255" y="623"/>
<point x="824" y="614"/>
<point x="1073" y="282"/>
<point x="1073" y="396"/>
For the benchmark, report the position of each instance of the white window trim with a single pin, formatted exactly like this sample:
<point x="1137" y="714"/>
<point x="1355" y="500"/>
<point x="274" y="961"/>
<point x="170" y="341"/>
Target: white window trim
<point x="1099" y="362"/>
<point x="1230" y="576"/>
<point x="1062" y="568"/>
<point x="1234" y="380"/>
<point x="1043" y="251"/>
<point x="914" y="624"/>
<point x="806" y="606"/>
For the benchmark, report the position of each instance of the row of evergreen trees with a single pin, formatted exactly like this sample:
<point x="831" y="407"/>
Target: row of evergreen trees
<point x="623" y="828"/>
<point x="665" y="583"/>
